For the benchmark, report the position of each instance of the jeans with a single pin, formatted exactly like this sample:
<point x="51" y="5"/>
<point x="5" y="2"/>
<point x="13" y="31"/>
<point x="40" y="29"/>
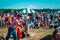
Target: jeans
<point x="12" y="32"/>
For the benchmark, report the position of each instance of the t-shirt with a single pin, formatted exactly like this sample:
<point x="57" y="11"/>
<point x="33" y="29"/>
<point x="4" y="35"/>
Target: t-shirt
<point x="30" y="24"/>
<point x="25" y="17"/>
<point x="15" y="23"/>
<point x="3" y="18"/>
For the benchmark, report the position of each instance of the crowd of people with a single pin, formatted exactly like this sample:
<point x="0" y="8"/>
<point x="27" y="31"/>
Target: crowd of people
<point x="19" y="23"/>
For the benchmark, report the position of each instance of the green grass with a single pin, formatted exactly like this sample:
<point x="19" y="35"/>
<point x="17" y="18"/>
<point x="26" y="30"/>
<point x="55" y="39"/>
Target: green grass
<point x="37" y="33"/>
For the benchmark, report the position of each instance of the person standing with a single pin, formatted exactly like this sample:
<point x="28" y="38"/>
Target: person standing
<point x="59" y="19"/>
<point x="12" y="28"/>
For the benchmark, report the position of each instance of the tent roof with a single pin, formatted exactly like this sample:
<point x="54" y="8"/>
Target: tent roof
<point x="27" y="10"/>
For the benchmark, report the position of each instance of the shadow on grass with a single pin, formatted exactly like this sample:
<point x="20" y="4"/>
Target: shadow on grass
<point x="48" y="37"/>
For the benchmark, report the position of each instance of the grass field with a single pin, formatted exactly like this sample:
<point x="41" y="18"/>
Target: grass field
<point x="36" y="34"/>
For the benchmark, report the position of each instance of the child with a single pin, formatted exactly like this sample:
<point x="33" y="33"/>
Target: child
<point x="19" y="28"/>
<point x="49" y="22"/>
<point x="38" y="23"/>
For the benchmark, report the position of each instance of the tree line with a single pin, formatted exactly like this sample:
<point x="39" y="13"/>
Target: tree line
<point x="38" y="10"/>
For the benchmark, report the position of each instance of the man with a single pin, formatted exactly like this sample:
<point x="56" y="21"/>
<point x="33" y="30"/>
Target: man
<point x="25" y="18"/>
<point x="12" y="28"/>
<point x="56" y="34"/>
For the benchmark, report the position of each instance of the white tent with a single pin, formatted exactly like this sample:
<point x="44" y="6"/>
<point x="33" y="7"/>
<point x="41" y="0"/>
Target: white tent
<point x="27" y="10"/>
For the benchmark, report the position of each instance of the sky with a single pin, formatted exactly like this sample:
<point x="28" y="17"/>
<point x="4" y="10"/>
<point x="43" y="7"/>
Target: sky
<point x="35" y="4"/>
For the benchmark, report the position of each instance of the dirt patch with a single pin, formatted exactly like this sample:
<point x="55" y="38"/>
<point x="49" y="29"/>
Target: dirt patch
<point x="36" y="34"/>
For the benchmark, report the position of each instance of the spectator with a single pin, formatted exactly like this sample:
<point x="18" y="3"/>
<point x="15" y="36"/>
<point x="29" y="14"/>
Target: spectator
<point x="12" y="28"/>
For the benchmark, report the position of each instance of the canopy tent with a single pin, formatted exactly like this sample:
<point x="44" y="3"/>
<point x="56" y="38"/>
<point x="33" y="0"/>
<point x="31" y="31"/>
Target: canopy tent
<point x="27" y="10"/>
<point x="57" y="12"/>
